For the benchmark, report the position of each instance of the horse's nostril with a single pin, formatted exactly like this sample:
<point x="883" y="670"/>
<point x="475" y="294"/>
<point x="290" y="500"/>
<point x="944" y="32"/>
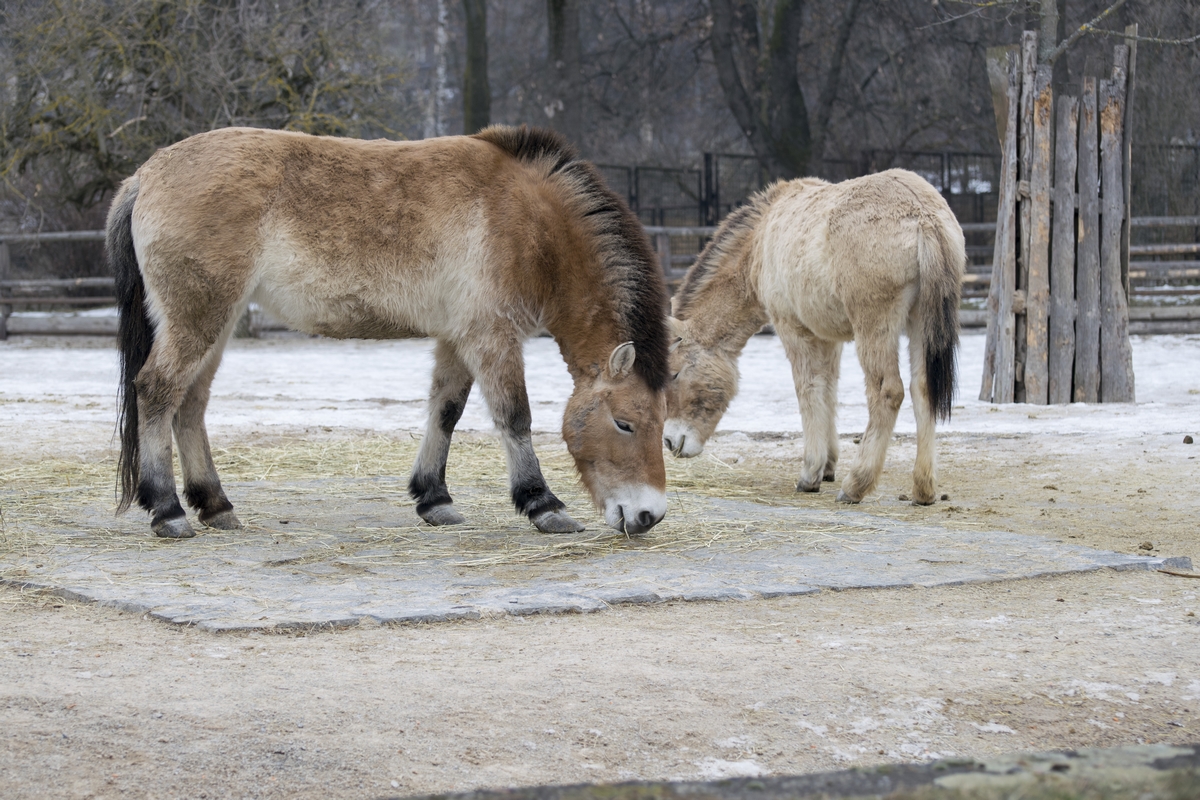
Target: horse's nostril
<point x="668" y="443"/>
<point x="646" y="520"/>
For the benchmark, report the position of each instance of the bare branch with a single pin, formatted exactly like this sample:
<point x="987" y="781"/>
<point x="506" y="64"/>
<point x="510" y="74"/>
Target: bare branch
<point x="1085" y="28"/>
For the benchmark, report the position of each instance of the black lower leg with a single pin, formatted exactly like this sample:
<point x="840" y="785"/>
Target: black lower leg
<point x="160" y="500"/>
<point x="208" y="500"/>
<point x="429" y="490"/>
<point x="535" y="498"/>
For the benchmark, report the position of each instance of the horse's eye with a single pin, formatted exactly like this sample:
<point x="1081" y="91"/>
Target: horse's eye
<point x="623" y="426"/>
<point x="675" y="377"/>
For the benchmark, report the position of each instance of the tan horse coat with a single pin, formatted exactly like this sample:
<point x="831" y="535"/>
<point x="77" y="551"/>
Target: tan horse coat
<point x="479" y="242"/>
<point x="862" y="260"/>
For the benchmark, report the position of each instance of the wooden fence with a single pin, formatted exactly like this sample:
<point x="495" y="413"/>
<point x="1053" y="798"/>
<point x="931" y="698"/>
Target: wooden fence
<point x="676" y="247"/>
<point x="1058" y="310"/>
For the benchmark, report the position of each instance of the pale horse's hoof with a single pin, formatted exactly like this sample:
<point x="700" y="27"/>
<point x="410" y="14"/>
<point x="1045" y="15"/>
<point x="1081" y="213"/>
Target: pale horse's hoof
<point x="845" y="498"/>
<point x="222" y="521"/>
<point x="443" y="515"/>
<point x="175" y="528"/>
<point x="555" y="522"/>
<point x="808" y="486"/>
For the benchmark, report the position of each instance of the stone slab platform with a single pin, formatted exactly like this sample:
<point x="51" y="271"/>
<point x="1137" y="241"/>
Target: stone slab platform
<point x="319" y="559"/>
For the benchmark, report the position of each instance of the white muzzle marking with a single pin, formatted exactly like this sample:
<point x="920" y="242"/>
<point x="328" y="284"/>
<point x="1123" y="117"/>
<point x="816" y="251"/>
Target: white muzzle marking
<point x="635" y="509"/>
<point x="682" y="439"/>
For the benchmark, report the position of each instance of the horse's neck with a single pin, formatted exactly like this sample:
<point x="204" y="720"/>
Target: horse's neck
<point x="586" y="334"/>
<point x="726" y="312"/>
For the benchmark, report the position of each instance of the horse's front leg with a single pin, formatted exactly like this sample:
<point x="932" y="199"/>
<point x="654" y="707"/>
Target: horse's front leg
<point x="501" y="375"/>
<point x="448" y="396"/>
<point x="815" y="366"/>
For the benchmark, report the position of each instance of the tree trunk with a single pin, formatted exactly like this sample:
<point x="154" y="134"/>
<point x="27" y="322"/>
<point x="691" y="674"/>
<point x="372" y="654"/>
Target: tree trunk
<point x="762" y="86"/>
<point x="477" y="95"/>
<point x="565" y="107"/>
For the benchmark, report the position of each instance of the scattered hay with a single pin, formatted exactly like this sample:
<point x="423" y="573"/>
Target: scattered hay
<point x="65" y="502"/>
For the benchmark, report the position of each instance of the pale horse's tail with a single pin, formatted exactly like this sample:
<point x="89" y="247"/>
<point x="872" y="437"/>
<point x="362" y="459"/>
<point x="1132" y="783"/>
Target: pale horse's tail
<point x="942" y="257"/>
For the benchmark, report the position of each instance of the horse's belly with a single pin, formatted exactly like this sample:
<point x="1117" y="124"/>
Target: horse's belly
<point x="342" y="315"/>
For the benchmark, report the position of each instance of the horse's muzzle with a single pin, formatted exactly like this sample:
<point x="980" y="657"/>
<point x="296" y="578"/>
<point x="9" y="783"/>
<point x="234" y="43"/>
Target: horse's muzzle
<point x="639" y="510"/>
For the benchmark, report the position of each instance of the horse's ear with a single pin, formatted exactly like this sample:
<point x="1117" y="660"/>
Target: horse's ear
<point x="621" y="360"/>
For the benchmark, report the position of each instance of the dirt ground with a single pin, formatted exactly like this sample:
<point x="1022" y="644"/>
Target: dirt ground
<point x="99" y="703"/>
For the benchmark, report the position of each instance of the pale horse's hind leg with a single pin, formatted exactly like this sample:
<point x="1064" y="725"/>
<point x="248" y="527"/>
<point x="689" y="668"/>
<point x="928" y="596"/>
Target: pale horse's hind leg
<point x="447" y="398"/>
<point x="924" y="470"/>
<point x="175" y="381"/>
<point x="201" y="485"/>
<point x="815" y="367"/>
<point x="878" y="346"/>
<point x="498" y="365"/>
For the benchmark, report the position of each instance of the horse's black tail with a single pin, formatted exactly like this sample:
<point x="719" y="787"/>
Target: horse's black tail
<point x="942" y="258"/>
<point x="135" y="333"/>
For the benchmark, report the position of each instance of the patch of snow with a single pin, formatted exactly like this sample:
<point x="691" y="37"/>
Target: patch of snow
<point x="819" y="730"/>
<point x="716" y="768"/>
<point x="993" y="727"/>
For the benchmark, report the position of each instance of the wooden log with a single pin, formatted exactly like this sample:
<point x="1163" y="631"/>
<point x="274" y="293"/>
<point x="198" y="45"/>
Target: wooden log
<point x="5" y="308"/>
<point x="1025" y="155"/>
<point x="1087" y="248"/>
<point x="999" y="362"/>
<point x="1116" y="353"/>
<point x="1037" y="292"/>
<point x="1061" y="358"/>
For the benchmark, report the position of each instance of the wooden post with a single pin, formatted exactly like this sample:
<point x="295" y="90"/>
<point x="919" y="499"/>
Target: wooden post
<point x="1025" y="155"/>
<point x="998" y="378"/>
<point x="1037" y="293"/>
<point x="1130" y="85"/>
<point x="5" y="308"/>
<point x="1116" y="355"/>
<point x="662" y="246"/>
<point x="1087" y="273"/>
<point x="1062" y="265"/>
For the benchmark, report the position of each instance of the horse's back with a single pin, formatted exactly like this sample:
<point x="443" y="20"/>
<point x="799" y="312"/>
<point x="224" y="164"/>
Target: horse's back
<point x="335" y="236"/>
<point x="835" y="254"/>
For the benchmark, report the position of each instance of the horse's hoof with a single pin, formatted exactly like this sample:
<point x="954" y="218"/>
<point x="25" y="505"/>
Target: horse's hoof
<point x="808" y="486"/>
<point x="845" y="498"/>
<point x="918" y="500"/>
<point x="828" y="476"/>
<point x="443" y="515"/>
<point x="222" y="521"/>
<point x="555" y="522"/>
<point x="174" y="528"/>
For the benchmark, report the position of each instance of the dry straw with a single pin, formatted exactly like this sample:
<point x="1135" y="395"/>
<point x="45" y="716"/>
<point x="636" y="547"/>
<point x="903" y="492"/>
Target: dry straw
<point x="322" y="486"/>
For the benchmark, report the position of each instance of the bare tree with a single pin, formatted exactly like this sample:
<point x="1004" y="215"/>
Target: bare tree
<point x="756" y="56"/>
<point x="96" y="85"/>
<point x="565" y="106"/>
<point x="477" y="95"/>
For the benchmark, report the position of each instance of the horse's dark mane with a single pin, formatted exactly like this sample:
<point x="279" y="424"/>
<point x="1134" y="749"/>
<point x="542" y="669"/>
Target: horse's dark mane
<point x="632" y="272"/>
<point x="728" y="237"/>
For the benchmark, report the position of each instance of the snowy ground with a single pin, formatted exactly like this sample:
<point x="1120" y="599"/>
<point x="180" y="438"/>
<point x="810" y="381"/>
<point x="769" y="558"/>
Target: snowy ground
<point x="382" y="386"/>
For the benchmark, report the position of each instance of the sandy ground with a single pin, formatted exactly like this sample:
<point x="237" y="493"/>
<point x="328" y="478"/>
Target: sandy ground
<point x="97" y="703"/>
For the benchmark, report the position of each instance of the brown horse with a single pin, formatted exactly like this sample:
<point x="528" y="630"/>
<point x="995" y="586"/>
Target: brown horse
<point x="826" y="263"/>
<point x="477" y="241"/>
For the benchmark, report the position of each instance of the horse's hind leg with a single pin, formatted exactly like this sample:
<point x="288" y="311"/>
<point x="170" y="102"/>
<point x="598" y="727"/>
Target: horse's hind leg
<point x="201" y="486"/>
<point x="162" y="384"/>
<point x="447" y="398"/>
<point x="879" y="354"/>
<point x="924" y="470"/>
<point x="815" y="366"/>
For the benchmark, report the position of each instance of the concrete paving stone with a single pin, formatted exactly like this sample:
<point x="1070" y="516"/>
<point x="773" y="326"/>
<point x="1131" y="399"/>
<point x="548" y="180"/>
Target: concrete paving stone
<point x="347" y="561"/>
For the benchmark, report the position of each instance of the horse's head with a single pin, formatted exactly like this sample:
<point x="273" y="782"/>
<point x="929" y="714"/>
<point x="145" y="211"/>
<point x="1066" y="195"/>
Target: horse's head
<point x="613" y="427"/>
<point x="703" y="382"/>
